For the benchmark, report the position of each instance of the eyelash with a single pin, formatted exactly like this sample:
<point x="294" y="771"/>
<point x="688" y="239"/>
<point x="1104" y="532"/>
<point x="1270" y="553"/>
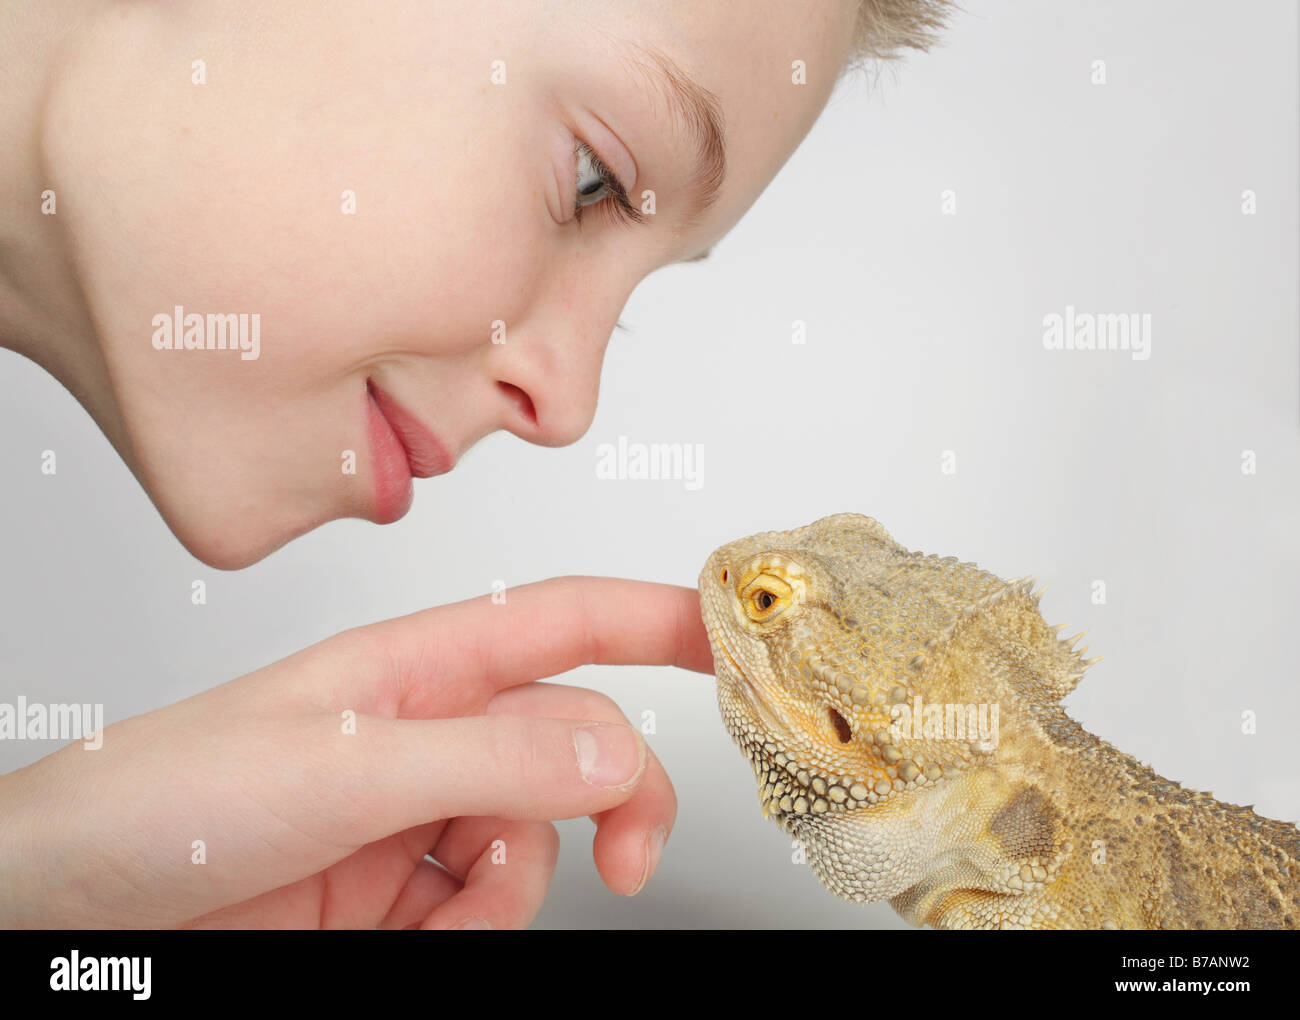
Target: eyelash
<point x="620" y="210"/>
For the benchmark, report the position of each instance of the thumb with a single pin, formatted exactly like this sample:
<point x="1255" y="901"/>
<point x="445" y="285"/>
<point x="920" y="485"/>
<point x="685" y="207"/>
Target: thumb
<point x="412" y="771"/>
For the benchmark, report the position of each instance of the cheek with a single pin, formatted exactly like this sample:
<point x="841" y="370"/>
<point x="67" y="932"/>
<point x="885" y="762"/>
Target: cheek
<point x="488" y="243"/>
<point x="239" y="453"/>
<point x="353" y="221"/>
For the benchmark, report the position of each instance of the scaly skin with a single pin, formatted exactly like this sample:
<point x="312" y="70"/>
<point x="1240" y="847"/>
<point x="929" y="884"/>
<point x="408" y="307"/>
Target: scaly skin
<point x="823" y="634"/>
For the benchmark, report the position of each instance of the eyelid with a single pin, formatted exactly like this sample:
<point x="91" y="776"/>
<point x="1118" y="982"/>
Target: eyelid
<point x="601" y="139"/>
<point x="621" y="207"/>
<point x="602" y="167"/>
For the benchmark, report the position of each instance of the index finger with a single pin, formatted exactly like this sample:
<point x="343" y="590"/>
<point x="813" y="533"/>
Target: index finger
<point x="450" y="660"/>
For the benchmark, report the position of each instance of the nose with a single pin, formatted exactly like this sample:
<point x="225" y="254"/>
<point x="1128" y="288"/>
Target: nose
<point x="552" y="409"/>
<point x="711" y="572"/>
<point x="716" y="575"/>
<point x="567" y="406"/>
<point x="551" y="383"/>
<point x="549" y="363"/>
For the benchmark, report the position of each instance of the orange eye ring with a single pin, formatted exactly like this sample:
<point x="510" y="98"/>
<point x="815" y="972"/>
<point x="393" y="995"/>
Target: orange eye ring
<point x="766" y="596"/>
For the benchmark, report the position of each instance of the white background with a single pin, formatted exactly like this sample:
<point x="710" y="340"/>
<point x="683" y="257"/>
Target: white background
<point x="924" y="335"/>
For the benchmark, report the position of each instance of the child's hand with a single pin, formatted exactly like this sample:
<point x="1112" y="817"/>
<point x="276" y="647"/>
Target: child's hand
<point x="303" y="823"/>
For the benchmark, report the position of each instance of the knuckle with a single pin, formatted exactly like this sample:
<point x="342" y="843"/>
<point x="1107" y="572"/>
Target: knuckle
<point x="599" y="706"/>
<point x="522" y="751"/>
<point x="361" y="646"/>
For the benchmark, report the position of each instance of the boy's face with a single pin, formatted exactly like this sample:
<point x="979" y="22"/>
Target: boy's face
<point x="387" y="199"/>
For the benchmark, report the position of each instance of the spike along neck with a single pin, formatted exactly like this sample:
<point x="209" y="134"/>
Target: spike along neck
<point x="1003" y="650"/>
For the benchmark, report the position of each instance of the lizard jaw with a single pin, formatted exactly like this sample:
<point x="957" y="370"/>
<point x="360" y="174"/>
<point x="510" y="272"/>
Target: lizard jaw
<point x="788" y="787"/>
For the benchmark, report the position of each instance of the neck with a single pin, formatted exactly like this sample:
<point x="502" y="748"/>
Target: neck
<point x="43" y="312"/>
<point x="1096" y="839"/>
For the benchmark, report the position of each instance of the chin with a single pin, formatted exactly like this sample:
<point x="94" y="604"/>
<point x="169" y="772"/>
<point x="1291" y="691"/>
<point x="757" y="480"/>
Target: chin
<point x="224" y="554"/>
<point x="227" y="543"/>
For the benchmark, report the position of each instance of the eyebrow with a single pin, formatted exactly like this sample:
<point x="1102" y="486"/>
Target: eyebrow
<point x="699" y="113"/>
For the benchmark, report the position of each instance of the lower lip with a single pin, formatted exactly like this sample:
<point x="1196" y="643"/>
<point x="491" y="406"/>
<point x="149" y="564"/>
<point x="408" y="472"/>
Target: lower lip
<point x="393" y="488"/>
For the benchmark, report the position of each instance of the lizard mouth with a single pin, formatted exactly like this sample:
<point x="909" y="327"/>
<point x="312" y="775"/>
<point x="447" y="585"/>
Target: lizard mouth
<point x="749" y="691"/>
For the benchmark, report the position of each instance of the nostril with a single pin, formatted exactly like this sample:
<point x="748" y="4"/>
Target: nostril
<point x="842" y="728"/>
<point x="724" y="575"/>
<point x="521" y="400"/>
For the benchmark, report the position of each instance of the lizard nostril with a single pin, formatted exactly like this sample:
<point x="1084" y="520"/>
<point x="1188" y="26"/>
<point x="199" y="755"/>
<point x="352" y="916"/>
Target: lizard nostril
<point x="724" y="575"/>
<point x="842" y="728"/>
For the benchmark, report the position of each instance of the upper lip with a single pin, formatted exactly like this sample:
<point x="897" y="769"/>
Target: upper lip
<point x="425" y="453"/>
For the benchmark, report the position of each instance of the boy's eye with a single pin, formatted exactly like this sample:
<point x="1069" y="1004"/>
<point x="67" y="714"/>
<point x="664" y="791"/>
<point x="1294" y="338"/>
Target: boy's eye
<point x="592" y="185"/>
<point x="596" y="183"/>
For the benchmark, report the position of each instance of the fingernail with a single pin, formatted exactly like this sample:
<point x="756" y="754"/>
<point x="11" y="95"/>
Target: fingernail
<point x="654" y="848"/>
<point x="609" y="755"/>
<point x="473" y="924"/>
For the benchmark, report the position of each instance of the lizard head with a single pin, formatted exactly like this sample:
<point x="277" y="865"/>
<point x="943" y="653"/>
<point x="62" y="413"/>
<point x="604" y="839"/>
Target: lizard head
<point x="834" y="646"/>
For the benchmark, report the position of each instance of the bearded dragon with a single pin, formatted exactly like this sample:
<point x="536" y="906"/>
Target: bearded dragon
<point x="902" y="714"/>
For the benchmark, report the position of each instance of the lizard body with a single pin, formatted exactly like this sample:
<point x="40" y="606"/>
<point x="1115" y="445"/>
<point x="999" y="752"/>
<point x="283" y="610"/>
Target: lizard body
<point x="902" y="714"/>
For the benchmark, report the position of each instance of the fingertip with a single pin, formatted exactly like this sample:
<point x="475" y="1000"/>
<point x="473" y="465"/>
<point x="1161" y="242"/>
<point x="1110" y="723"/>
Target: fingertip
<point x="694" y="650"/>
<point x="474" y="923"/>
<point x="627" y="855"/>
<point x="655" y="840"/>
<point x="610" y="755"/>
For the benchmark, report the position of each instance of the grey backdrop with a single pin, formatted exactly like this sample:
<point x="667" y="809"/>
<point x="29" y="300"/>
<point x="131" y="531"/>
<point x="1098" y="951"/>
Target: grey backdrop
<point x="924" y="335"/>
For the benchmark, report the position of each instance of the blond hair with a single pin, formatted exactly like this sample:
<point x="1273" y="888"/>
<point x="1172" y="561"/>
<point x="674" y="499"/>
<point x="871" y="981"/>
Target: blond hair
<point x="884" y="28"/>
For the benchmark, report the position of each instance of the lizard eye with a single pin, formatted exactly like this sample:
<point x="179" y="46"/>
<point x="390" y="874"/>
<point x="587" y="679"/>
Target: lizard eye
<point x="765" y="596"/>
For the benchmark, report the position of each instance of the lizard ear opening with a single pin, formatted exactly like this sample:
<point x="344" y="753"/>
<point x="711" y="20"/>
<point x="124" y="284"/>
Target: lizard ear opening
<point x="842" y="728"/>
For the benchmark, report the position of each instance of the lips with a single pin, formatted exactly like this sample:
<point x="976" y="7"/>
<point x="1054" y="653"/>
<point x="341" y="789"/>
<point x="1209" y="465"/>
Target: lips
<point x="749" y="692"/>
<point x="401" y="447"/>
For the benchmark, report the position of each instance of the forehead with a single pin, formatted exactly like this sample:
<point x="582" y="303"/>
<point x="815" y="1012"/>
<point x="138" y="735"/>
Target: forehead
<point x="842" y="544"/>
